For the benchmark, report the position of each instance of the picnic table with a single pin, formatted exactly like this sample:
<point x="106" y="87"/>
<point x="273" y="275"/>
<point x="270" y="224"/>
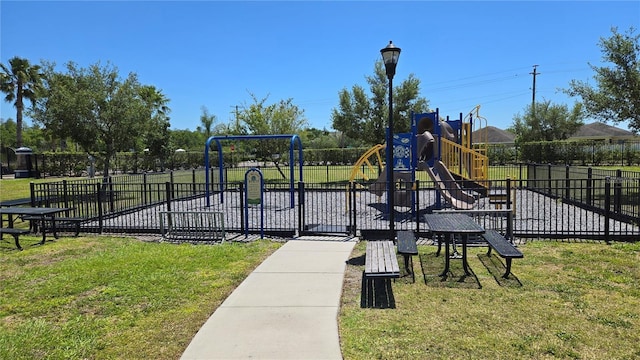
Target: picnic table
<point x="15" y="202"/>
<point x="448" y="226"/>
<point x="42" y="214"/>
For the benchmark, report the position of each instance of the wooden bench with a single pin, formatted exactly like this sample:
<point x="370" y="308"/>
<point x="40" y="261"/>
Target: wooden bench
<point x="503" y="247"/>
<point x="15" y="233"/>
<point x="407" y="247"/>
<point x="192" y="225"/>
<point x="381" y="260"/>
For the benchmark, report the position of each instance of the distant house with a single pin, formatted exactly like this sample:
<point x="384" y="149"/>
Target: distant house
<point x="602" y="131"/>
<point x="493" y="135"/>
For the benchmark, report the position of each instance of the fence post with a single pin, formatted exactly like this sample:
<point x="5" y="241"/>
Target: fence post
<point x="144" y="189"/>
<point x="617" y="192"/>
<point x="607" y="207"/>
<point x="171" y="180"/>
<point x="549" y="187"/>
<point x="99" y="201"/>
<point x="567" y="183"/>
<point x="32" y="189"/>
<point x="301" y="207"/>
<point x="589" y="186"/>
<point x="241" y="207"/>
<point x="193" y="180"/>
<point x="511" y="209"/>
<point x="168" y="192"/>
<point x="354" y="211"/>
<point x="65" y="191"/>
<point x="417" y="207"/>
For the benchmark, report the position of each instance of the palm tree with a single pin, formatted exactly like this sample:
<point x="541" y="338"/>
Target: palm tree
<point x="207" y="120"/>
<point x="19" y="81"/>
<point x="157" y="133"/>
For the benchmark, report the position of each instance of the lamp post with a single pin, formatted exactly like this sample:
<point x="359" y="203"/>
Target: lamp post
<point x="390" y="56"/>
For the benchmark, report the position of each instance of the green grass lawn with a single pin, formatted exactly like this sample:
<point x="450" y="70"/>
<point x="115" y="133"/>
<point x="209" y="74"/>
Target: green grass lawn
<point x="114" y="298"/>
<point x="11" y="189"/>
<point x="105" y="297"/>
<point x="109" y="297"/>
<point x="566" y="301"/>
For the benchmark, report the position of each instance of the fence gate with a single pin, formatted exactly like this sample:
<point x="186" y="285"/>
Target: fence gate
<point x="324" y="209"/>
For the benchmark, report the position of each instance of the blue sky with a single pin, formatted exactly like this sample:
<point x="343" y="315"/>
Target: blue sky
<point x="215" y="54"/>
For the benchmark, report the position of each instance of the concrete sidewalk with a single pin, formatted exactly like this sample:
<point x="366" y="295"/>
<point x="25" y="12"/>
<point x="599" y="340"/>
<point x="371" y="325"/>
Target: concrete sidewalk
<point x="287" y="308"/>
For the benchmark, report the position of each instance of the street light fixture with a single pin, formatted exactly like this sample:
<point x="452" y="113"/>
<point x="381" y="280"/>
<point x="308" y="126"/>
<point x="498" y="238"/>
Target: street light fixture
<point x="390" y="56"/>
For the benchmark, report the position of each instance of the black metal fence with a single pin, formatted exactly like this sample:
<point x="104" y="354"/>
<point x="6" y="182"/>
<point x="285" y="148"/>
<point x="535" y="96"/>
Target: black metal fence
<point x="613" y="191"/>
<point x="548" y="202"/>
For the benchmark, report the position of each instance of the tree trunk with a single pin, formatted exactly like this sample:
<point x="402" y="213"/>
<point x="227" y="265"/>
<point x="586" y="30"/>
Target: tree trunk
<point x="277" y="164"/>
<point x="19" y="108"/>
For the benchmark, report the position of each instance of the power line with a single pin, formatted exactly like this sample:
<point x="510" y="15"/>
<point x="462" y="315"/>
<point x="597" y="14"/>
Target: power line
<point x="489" y="101"/>
<point x="477" y="76"/>
<point x="469" y="84"/>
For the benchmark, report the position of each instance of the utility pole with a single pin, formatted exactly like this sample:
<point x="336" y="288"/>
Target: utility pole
<point x="236" y="112"/>
<point x="533" y="98"/>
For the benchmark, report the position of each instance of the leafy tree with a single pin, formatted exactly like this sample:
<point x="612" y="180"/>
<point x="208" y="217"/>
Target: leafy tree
<point x="7" y="133"/>
<point x="319" y="139"/>
<point x="34" y="136"/>
<point x="364" y="117"/>
<point x="617" y="95"/>
<point x="548" y="122"/>
<point x="353" y="113"/>
<point x="20" y="81"/>
<point x="185" y="139"/>
<point x="281" y="118"/>
<point x="93" y="106"/>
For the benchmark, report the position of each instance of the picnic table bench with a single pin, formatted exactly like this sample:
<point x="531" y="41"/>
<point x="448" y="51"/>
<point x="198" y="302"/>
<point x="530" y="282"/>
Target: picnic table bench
<point x="503" y="247"/>
<point x="15" y="233"/>
<point x="59" y="220"/>
<point x="407" y="247"/>
<point x="381" y="260"/>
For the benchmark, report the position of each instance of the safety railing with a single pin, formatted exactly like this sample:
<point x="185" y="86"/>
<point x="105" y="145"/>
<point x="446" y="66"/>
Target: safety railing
<point x="465" y="162"/>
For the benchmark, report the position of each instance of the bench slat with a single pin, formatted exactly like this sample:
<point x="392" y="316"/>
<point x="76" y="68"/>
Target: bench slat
<point x="368" y="265"/>
<point x="407" y="247"/>
<point x="386" y="256"/>
<point x="501" y="245"/>
<point x="380" y="259"/>
<point x="407" y="243"/>
<point x="11" y="231"/>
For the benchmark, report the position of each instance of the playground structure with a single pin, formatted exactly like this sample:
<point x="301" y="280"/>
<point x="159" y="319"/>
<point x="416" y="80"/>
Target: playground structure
<point x="444" y="149"/>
